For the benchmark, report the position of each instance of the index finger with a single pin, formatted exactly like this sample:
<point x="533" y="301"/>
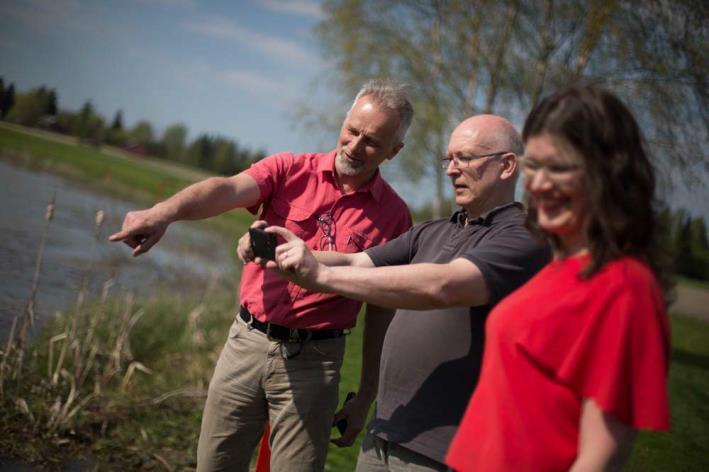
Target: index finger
<point x="123" y="234"/>
<point x="286" y="234"/>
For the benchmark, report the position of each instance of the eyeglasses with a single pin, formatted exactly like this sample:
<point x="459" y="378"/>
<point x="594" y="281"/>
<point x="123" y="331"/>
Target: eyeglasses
<point x="326" y="224"/>
<point x="461" y="162"/>
<point x="557" y="171"/>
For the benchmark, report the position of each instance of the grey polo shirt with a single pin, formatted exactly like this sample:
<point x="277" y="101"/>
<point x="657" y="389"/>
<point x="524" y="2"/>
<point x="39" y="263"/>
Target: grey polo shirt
<point x="431" y="359"/>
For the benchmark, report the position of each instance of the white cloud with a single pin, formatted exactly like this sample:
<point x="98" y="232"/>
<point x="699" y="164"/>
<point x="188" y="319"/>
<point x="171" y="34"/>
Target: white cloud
<point x="274" y="47"/>
<point x="307" y="8"/>
<point x="250" y="82"/>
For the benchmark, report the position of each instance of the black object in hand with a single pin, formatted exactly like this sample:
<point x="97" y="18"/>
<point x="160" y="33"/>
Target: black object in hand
<point x="263" y="244"/>
<point x="342" y="424"/>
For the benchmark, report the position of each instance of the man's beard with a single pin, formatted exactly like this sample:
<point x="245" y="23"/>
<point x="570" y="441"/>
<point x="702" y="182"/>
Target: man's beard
<point x="346" y="167"/>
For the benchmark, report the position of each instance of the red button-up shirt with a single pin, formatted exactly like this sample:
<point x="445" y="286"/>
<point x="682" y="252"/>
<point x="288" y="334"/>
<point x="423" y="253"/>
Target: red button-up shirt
<point x="296" y="192"/>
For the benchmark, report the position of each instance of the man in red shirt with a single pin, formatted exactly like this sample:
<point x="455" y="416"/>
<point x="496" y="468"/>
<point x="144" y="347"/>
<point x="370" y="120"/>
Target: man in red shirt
<point x="282" y="359"/>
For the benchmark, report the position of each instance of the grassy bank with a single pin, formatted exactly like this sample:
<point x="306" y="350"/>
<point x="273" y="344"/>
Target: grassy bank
<point x="140" y="179"/>
<point x="121" y="384"/>
<point x="138" y="400"/>
<point x="686" y="446"/>
<point x="118" y="382"/>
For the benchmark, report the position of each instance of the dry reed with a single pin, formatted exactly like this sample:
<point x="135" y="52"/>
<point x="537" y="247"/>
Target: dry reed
<point x="73" y="356"/>
<point x="82" y="365"/>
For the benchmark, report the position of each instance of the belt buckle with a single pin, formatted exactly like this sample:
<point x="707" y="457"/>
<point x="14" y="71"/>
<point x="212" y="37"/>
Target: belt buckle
<point x="250" y="323"/>
<point x="293" y="335"/>
<point x="268" y="332"/>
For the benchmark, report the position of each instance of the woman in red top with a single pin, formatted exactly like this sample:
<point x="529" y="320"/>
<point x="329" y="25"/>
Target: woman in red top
<point x="576" y="360"/>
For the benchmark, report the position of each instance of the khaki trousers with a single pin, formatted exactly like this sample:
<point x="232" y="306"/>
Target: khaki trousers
<point x="253" y="383"/>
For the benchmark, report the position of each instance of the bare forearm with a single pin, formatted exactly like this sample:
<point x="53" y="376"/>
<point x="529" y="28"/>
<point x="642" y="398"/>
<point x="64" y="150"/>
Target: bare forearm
<point x="413" y="286"/>
<point x="334" y="258"/>
<point x="604" y="442"/>
<point x="208" y="198"/>
<point x="416" y="286"/>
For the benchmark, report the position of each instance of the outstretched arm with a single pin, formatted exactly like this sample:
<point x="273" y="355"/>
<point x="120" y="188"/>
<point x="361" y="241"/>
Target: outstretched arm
<point x="142" y="229"/>
<point x="423" y="286"/>
<point x="416" y="286"/>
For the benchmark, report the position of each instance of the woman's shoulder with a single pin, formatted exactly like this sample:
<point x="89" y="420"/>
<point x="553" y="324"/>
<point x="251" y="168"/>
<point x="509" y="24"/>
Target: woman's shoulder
<point x="628" y="271"/>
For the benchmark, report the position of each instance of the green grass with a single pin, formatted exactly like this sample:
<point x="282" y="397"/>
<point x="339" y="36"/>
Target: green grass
<point x="339" y="458"/>
<point x="692" y="282"/>
<point x="686" y="446"/>
<point x="144" y="180"/>
<point x="129" y="429"/>
<point x="124" y="426"/>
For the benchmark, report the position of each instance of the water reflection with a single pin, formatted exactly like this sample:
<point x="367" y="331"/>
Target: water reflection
<point x="185" y="260"/>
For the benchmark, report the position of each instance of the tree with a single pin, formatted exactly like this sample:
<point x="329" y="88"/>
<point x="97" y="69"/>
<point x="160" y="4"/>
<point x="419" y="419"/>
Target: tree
<point x="225" y="157"/>
<point x="7" y="100"/>
<point x="115" y="135"/>
<point x="173" y="142"/>
<point x="201" y="151"/>
<point x="26" y="110"/>
<point x="51" y="103"/>
<point x="117" y="123"/>
<point x="482" y="56"/>
<point x="88" y="125"/>
<point x="141" y="133"/>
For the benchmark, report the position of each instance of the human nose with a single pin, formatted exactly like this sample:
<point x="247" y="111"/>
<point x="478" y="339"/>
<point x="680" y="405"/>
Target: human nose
<point x="452" y="168"/>
<point x="355" y="143"/>
<point x="539" y="180"/>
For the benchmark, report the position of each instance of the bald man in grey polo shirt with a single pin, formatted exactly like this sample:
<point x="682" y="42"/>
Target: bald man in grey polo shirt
<point x="443" y="277"/>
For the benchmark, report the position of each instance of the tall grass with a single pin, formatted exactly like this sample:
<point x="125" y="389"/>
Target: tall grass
<point x="104" y="378"/>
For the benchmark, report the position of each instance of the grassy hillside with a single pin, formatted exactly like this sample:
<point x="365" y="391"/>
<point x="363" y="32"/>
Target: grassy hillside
<point x="144" y="180"/>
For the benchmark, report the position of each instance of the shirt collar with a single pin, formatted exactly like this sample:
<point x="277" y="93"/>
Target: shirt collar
<point x="461" y="216"/>
<point x="375" y="186"/>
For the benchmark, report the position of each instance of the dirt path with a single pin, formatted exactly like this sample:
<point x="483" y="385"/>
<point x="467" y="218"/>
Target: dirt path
<point x="692" y="301"/>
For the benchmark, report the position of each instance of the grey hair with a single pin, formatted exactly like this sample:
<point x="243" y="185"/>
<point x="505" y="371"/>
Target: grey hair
<point x="510" y="140"/>
<point x="392" y="95"/>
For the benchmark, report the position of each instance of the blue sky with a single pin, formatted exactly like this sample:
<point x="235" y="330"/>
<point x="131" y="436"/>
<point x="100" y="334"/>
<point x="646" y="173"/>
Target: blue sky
<point x="235" y="68"/>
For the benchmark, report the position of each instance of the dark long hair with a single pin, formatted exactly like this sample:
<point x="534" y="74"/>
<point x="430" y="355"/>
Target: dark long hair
<point x="618" y="176"/>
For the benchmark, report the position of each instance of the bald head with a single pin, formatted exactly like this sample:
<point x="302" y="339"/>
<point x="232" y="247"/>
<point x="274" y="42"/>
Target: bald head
<point x="491" y="132"/>
<point x="487" y="179"/>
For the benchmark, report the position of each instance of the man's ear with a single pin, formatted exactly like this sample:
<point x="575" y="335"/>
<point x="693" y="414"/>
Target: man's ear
<point x="396" y="150"/>
<point x="509" y="165"/>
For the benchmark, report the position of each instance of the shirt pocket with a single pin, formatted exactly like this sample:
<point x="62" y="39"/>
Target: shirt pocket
<point x="299" y="220"/>
<point x="357" y="242"/>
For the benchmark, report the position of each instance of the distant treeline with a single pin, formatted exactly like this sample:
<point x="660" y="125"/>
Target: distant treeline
<point x="686" y="238"/>
<point x="39" y="108"/>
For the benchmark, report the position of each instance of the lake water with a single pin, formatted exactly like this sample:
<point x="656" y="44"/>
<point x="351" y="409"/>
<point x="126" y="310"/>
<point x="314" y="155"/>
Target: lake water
<point x="187" y="259"/>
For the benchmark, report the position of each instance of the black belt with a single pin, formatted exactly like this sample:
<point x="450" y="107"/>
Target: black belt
<point x="282" y="333"/>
